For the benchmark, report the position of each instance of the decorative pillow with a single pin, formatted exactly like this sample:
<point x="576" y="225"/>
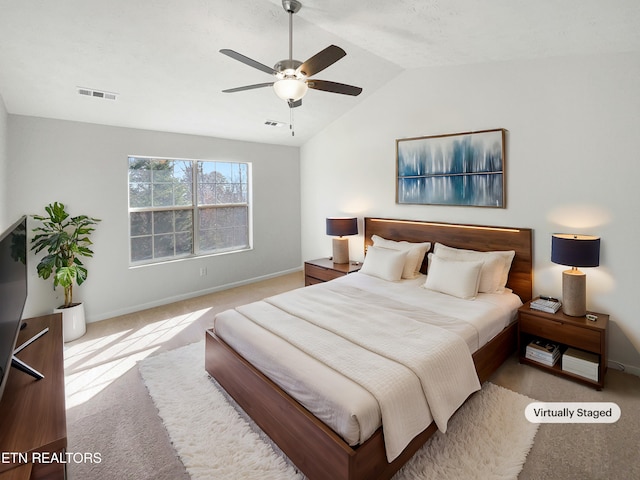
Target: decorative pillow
<point x="415" y="253"/>
<point x="384" y="263"/>
<point x="454" y="277"/>
<point x="495" y="270"/>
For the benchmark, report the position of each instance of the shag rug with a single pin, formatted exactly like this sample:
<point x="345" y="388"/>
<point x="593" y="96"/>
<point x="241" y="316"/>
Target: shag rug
<point x="488" y="438"/>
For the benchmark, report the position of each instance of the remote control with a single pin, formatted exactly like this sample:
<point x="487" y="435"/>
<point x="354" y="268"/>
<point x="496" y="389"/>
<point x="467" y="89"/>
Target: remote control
<point x="551" y="299"/>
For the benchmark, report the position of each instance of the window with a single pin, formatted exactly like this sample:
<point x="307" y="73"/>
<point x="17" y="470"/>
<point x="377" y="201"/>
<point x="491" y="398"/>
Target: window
<point x="182" y="208"/>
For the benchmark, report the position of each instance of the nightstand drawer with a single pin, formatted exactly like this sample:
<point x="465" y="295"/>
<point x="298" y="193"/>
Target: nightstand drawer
<point x="311" y="281"/>
<point x="561" y="332"/>
<point x="324" y="274"/>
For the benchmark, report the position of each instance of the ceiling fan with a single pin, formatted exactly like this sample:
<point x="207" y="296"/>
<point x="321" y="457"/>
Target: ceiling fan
<point x="292" y="76"/>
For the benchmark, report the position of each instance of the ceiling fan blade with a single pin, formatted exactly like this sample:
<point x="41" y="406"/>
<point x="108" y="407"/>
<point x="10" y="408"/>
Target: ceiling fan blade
<point x="321" y="60"/>
<point x="247" y="87"/>
<point x="248" y="61"/>
<point x="334" y="87"/>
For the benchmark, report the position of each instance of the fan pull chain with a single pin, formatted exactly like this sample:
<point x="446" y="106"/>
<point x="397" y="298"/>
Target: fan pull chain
<point x="293" y="133"/>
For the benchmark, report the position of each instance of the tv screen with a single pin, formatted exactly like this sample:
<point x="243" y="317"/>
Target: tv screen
<point x="13" y="291"/>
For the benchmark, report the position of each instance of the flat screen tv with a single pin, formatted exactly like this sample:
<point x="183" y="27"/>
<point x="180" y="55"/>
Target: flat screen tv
<point x="13" y="292"/>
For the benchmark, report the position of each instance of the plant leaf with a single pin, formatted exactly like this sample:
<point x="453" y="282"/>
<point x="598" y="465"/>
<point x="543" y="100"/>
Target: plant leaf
<point x="65" y="276"/>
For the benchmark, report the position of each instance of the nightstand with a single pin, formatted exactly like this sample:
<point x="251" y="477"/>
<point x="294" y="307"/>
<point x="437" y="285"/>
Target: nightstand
<point x="323" y="270"/>
<point x="576" y="332"/>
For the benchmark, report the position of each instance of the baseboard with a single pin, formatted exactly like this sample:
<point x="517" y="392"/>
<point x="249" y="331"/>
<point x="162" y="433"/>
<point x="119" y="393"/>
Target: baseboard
<point x="186" y="296"/>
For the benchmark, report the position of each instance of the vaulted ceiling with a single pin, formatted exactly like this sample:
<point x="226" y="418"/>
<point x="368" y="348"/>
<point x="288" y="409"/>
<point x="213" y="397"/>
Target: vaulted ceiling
<point x="162" y="57"/>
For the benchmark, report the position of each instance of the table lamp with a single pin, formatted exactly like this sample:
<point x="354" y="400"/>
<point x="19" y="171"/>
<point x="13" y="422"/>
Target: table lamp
<point x="341" y="227"/>
<point x="575" y="251"/>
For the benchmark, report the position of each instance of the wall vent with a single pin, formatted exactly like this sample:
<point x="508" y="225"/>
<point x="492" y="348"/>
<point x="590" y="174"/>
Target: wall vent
<point x="90" y="92"/>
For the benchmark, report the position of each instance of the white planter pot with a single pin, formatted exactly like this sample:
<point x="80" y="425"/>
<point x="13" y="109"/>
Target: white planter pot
<point x="73" y="323"/>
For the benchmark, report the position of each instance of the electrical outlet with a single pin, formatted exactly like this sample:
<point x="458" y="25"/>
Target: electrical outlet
<point x="203" y="271"/>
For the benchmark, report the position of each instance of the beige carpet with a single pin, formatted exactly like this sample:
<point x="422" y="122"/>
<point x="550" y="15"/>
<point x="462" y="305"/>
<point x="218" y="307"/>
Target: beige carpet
<point x="110" y="411"/>
<point x="487" y="438"/>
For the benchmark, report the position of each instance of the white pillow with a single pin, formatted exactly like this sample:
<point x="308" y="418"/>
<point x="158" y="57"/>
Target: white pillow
<point x="454" y="277"/>
<point x="495" y="270"/>
<point x="415" y="253"/>
<point x="384" y="263"/>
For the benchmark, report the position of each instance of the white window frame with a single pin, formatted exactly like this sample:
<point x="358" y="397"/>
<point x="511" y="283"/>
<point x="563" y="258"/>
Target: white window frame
<point x="194" y="208"/>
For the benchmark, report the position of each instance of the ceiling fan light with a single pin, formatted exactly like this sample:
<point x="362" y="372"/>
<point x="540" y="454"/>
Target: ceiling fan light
<point x="290" y="89"/>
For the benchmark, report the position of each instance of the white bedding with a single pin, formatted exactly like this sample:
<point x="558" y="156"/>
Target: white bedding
<point x="342" y="403"/>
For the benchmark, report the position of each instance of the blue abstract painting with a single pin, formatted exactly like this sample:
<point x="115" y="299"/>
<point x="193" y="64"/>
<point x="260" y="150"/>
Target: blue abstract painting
<point x="455" y="169"/>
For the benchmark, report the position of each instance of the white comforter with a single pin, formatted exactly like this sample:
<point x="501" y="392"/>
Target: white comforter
<point x="415" y="370"/>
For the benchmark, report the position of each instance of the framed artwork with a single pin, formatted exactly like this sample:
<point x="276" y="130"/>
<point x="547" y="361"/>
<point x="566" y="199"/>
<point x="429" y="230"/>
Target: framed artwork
<point x="453" y="169"/>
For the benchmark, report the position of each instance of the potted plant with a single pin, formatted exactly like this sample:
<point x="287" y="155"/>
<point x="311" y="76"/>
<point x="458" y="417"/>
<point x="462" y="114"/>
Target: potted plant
<point x="65" y="239"/>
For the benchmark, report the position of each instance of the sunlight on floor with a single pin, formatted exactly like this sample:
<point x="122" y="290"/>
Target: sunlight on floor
<point x="93" y="364"/>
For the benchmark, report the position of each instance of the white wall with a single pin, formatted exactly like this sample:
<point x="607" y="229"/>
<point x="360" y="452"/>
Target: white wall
<point x="572" y="165"/>
<point x="5" y="221"/>
<point x="85" y="167"/>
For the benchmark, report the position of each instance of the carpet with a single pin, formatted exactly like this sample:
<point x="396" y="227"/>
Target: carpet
<point x="488" y="438"/>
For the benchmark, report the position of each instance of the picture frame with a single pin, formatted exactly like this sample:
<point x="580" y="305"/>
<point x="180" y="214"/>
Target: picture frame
<point x="463" y="169"/>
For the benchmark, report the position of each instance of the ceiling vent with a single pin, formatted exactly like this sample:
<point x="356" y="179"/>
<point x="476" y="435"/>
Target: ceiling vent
<point x="273" y="123"/>
<point x="90" y="92"/>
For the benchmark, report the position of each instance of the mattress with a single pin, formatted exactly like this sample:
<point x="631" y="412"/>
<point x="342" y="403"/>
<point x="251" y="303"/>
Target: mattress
<point x="341" y="403"/>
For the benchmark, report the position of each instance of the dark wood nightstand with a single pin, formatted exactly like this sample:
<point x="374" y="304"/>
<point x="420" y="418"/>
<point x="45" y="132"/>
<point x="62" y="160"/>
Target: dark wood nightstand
<point x="577" y="332"/>
<point x="323" y="270"/>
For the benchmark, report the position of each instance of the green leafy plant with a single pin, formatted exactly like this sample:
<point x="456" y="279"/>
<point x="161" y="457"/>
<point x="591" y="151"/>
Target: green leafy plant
<point x="65" y="239"/>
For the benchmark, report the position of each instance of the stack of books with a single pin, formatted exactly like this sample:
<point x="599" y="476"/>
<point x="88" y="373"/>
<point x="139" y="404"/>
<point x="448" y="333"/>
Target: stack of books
<point x="581" y="363"/>
<point x="549" y="306"/>
<point x="543" y="351"/>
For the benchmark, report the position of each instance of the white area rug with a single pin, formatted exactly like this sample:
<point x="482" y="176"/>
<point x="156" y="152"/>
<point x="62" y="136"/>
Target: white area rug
<point x="488" y="438"/>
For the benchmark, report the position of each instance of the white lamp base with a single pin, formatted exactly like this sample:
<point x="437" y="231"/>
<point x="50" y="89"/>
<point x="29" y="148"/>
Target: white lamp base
<point x="341" y="250"/>
<point x="574" y="293"/>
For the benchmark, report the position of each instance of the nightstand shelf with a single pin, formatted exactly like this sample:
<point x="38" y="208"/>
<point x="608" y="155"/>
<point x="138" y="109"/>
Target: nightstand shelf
<point x="323" y="269"/>
<point x="577" y="332"/>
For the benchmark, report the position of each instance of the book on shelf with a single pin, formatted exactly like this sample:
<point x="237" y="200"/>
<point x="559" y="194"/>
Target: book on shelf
<point x="544" y="346"/>
<point x="549" y="361"/>
<point x="543" y="351"/>
<point x="548" y="306"/>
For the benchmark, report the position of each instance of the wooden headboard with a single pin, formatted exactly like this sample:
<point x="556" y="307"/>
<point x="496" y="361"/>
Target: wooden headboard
<point x="470" y="237"/>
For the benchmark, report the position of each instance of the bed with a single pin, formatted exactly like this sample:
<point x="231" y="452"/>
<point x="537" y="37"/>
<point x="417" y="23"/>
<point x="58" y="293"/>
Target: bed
<point x="315" y="448"/>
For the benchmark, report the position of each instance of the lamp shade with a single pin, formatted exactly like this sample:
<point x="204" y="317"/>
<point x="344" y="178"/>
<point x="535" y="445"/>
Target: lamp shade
<point x="341" y="226"/>
<point x="575" y="250"/>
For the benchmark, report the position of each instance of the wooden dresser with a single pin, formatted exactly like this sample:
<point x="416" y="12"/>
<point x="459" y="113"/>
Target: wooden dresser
<point x="33" y="421"/>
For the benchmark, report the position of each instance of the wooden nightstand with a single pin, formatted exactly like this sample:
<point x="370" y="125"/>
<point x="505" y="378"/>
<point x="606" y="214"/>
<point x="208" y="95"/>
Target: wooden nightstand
<point x="323" y="270"/>
<point x="577" y="332"/>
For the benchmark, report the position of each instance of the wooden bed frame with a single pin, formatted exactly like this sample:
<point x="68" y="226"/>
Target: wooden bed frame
<point x="312" y="446"/>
